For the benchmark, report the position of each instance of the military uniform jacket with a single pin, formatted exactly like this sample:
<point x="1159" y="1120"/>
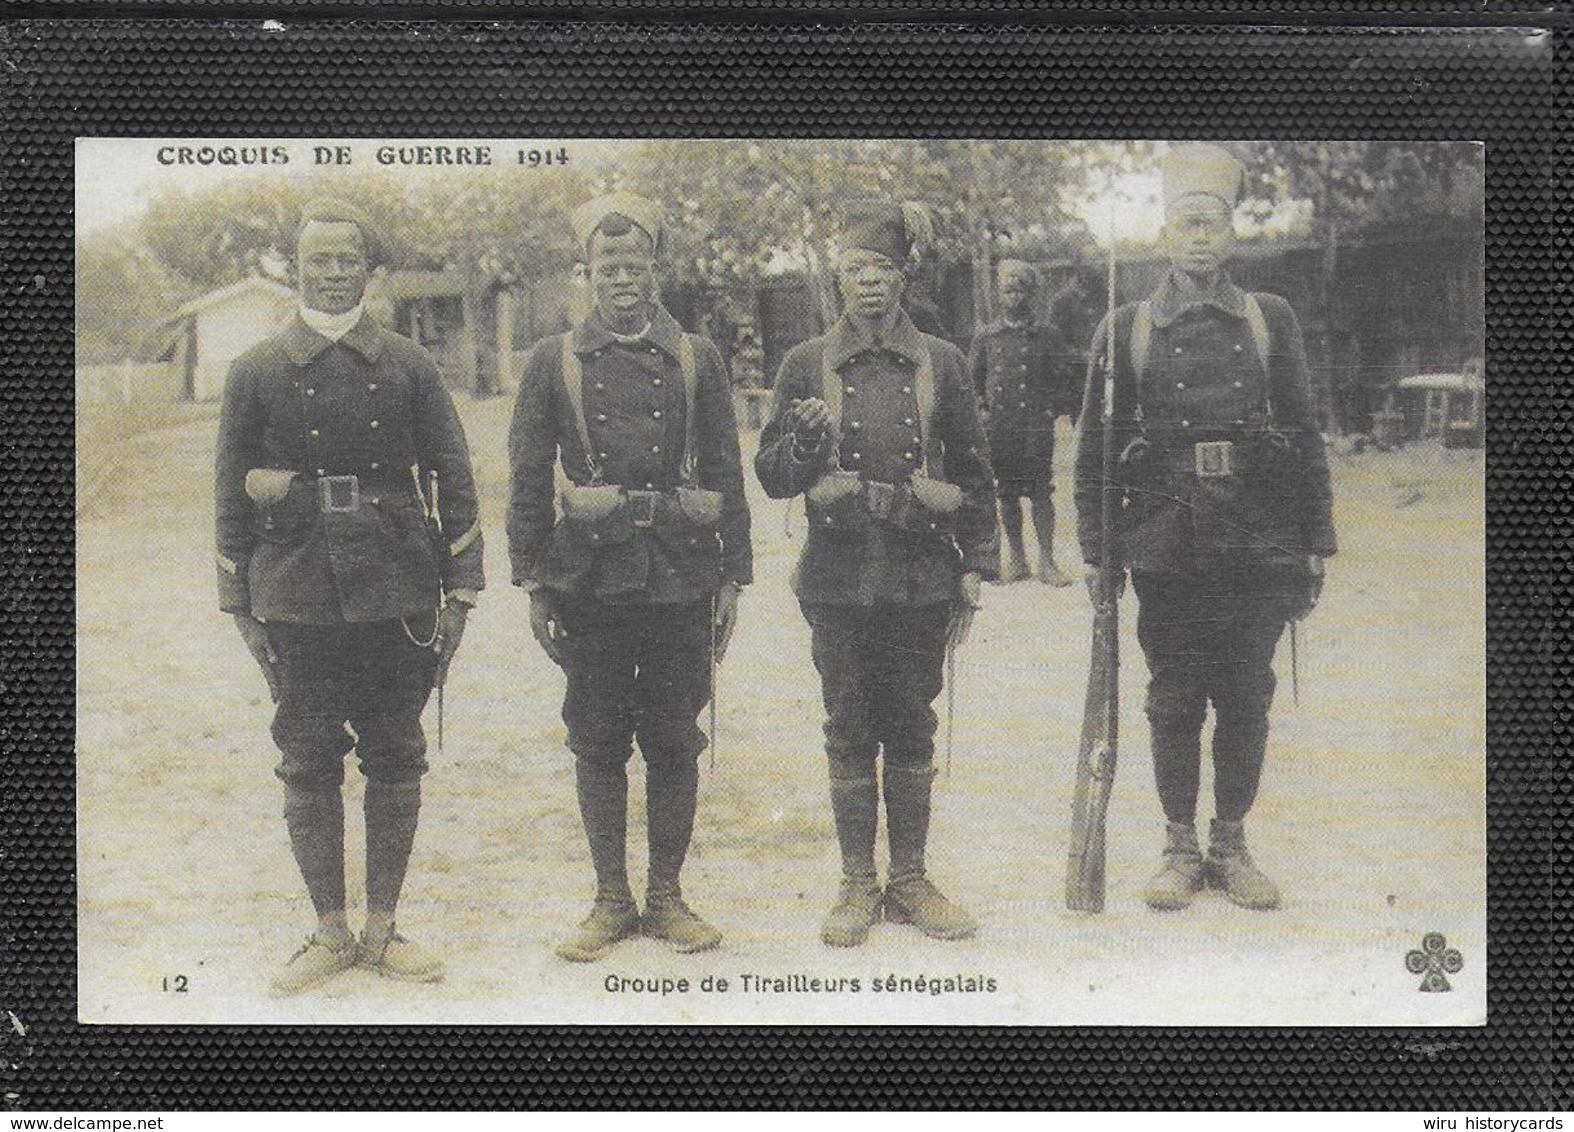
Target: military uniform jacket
<point x="1205" y="382"/>
<point x="879" y="438"/>
<point x="371" y="405"/>
<point x="1022" y="374"/>
<point x="633" y="398"/>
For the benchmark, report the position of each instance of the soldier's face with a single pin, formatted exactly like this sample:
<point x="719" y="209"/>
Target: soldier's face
<point x="1199" y="235"/>
<point x="622" y="274"/>
<point x="331" y="264"/>
<point x="1018" y="289"/>
<point x="871" y="283"/>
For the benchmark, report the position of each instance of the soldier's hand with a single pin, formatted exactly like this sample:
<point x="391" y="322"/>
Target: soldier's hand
<point x="450" y="631"/>
<point x="811" y="419"/>
<point x="547" y="626"/>
<point x="971" y="601"/>
<point x="726" y="617"/>
<point x="255" y="634"/>
<point x="1312" y="589"/>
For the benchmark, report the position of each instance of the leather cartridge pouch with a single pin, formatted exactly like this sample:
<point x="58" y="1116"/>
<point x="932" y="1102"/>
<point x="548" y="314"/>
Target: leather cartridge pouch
<point x="927" y="507"/>
<point x="285" y="507"/>
<point x="700" y="506"/>
<point x="591" y="504"/>
<point x="939" y="496"/>
<point x="267" y="487"/>
<point x="599" y="512"/>
<point x="836" y="502"/>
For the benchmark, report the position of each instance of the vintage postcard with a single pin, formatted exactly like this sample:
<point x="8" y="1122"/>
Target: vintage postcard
<point x="807" y="548"/>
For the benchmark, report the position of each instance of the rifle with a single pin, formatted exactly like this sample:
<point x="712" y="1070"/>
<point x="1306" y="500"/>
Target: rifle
<point x="1099" y="745"/>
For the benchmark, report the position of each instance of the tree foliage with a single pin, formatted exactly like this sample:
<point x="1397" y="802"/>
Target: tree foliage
<point x="122" y="291"/>
<point x="481" y="221"/>
<point x="1367" y="187"/>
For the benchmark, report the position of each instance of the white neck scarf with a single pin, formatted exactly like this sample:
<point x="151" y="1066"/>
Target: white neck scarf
<point x="332" y="326"/>
<point x="630" y="339"/>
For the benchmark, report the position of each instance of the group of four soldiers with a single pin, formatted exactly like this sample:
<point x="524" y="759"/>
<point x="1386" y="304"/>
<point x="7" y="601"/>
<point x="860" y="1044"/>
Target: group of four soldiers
<point x="349" y="548"/>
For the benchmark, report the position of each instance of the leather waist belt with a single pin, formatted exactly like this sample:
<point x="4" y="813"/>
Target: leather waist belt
<point x="642" y="505"/>
<point x="345" y="494"/>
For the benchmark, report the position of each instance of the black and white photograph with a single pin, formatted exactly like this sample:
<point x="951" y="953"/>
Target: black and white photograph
<point x="746" y="581"/>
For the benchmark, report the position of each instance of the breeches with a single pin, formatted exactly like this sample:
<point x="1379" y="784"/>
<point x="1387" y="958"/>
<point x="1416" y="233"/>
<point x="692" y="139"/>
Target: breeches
<point x="881" y="668"/>
<point x="1207" y="645"/>
<point x="635" y="671"/>
<point x="344" y="687"/>
<point x="1024" y="466"/>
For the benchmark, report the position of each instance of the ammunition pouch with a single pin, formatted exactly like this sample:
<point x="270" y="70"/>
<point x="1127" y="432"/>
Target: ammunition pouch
<point x="268" y="486"/>
<point x="285" y="505"/>
<point x="608" y="514"/>
<point x="700" y="506"/>
<point x="836" y="502"/>
<point x="590" y="504"/>
<point x="931" y="507"/>
<point x="937" y="496"/>
<point x="597" y="515"/>
<point x="842" y="501"/>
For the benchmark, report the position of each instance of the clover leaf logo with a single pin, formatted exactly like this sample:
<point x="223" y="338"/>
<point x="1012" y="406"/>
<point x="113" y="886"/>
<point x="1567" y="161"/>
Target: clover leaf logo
<point x="1434" y="958"/>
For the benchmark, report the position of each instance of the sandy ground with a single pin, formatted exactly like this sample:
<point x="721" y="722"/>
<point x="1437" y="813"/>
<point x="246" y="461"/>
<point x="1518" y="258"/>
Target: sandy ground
<point x="1372" y="811"/>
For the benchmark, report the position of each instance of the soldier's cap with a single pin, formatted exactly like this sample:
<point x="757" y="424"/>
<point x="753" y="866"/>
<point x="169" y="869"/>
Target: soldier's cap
<point x="884" y="226"/>
<point x="1014" y="268"/>
<point x="335" y="210"/>
<point x="1201" y="169"/>
<point x="642" y="212"/>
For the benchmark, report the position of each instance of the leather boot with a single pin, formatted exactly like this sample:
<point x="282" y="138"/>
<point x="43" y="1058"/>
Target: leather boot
<point x="1044" y="524"/>
<point x="910" y="897"/>
<point x="855" y="802"/>
<point x="602" y="786"/>
<point x="1180" y="877"/>
<point x="1230" y="867"/>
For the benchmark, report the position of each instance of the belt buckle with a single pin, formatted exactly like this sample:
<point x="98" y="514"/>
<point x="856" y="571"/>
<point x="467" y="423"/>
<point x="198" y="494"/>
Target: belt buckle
<point x="339" y="494"/>
<point x="881" y="497"/>
<point x="643" y="504"/>
<point x="1215" y="459"/>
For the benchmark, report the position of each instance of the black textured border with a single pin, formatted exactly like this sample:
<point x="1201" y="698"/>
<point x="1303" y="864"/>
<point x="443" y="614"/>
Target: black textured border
<point x="996" y="69"/>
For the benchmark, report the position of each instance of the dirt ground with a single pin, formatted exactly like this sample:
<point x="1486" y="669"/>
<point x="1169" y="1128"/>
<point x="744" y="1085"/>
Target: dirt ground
<point x="1371" y="816"/>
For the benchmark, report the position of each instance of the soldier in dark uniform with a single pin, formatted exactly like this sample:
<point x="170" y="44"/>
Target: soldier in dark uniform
<point x="638" y="582"/>
<point x="1026" y="375"/>
<point x="1226" y="517"/>
<point x="876" y="424"/>
<point x="341" y="586"/>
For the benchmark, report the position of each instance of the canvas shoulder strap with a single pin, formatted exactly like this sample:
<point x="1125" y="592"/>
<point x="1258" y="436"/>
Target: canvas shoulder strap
<point x="1263" y="344"/>
<point x="691" y="386"/>
<point x="574" y="386"/>
<point x="830" y="386"/>
<point x="931" y="455"/>
<point x="1141" y="338"/>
